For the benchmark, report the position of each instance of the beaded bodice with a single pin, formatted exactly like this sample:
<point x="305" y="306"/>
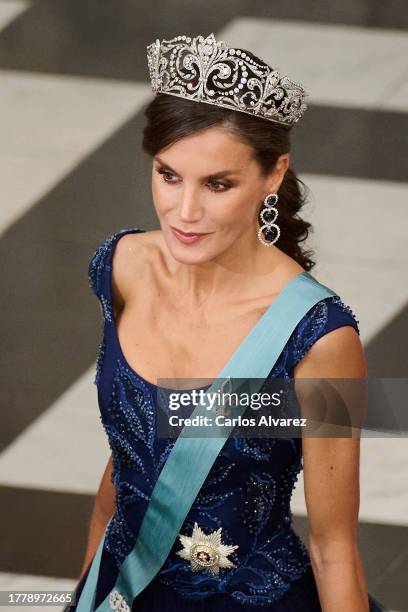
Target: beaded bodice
<point x="248" y="489"/>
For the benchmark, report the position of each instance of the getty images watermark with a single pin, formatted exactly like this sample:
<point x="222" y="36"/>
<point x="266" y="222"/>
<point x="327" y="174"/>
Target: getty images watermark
<point x="282" y="407"/>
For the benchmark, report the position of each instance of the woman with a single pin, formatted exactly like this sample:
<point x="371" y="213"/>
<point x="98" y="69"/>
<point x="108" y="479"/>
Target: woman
<point x="177" y="302"/>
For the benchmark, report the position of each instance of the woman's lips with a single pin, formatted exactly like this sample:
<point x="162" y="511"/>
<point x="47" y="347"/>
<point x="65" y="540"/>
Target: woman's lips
<point x="186" y="238"/>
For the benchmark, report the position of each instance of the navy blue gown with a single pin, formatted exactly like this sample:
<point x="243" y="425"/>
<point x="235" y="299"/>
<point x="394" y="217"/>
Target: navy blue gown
<point x="247" y="492"/>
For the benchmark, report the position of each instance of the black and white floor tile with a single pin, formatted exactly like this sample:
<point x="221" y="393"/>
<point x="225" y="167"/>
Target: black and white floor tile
<point x="73" y="82"/>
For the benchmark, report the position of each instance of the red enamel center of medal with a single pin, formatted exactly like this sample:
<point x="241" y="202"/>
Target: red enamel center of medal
<point x="203" y="554"/>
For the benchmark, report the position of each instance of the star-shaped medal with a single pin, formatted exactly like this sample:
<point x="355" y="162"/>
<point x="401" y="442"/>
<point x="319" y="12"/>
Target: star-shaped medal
<point x="206" y="552"/>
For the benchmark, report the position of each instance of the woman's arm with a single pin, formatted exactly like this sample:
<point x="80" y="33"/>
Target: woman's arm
<point x="331" y="480"/>
<point x="103" y="509"/>
<point x="104" y="505"/>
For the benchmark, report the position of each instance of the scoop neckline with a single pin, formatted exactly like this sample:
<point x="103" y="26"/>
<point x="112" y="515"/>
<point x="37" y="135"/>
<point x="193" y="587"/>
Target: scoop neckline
<point x="115" y="330"/>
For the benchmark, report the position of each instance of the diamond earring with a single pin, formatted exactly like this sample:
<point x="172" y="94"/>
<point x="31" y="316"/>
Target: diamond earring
<point x="268" y="217"/>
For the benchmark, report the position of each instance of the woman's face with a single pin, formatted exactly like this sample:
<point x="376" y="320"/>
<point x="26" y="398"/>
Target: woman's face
<point x="209" y="183"/>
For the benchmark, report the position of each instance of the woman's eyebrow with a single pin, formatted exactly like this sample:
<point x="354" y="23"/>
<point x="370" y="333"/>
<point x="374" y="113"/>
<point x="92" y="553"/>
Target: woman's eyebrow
<point x="210" y="176"/>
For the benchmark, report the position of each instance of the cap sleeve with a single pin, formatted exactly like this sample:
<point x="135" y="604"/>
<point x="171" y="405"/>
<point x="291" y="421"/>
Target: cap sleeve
<point x="100" y="267"/>
<point x="325" y="316"/>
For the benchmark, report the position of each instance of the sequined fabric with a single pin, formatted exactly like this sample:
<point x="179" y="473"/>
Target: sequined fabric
<point x="247" y="492"/>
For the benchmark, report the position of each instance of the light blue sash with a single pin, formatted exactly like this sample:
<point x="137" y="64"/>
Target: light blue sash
<point x="191" y="458"/>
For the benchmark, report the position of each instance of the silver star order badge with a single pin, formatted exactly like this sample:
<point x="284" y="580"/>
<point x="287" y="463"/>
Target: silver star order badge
<point x="206" y="552"/>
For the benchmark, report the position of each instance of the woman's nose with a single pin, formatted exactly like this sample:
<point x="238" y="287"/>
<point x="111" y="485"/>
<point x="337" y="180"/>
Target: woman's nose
<point x="190" y="206"/>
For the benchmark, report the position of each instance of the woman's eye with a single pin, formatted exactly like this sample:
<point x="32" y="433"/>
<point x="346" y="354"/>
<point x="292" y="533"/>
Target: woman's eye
<point x="218" y="186"/>
<point x="167" y="176"/>
<point x="214" y="185"/>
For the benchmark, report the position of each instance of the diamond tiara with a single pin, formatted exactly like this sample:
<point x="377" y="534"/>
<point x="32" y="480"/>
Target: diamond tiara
<point x="206" y="70"/>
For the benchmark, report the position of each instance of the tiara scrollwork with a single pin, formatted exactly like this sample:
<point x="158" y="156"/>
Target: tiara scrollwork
<point x="206" y="70"/>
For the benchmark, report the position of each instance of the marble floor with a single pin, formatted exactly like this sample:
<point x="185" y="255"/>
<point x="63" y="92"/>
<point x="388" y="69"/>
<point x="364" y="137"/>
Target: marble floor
<point x="73" y="83"/>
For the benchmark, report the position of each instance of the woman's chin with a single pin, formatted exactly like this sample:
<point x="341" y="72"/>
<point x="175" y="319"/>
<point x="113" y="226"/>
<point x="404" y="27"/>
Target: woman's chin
<point x="187" y="257"/>
<point x="189" y="254"/>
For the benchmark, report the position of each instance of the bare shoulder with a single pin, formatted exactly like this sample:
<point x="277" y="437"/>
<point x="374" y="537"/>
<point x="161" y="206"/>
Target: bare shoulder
<point x="337" y="354"/>
<point x="131" y="261"/>
<point x="135" y="240"/>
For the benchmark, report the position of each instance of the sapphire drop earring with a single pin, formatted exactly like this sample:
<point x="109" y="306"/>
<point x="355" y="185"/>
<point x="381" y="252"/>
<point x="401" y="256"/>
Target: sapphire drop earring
<point x="269" y="233"/>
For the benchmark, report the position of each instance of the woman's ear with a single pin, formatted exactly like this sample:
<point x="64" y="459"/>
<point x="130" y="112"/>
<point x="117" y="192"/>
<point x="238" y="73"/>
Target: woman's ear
<point x="282" y="164"/>
<point x="286" y="160"/>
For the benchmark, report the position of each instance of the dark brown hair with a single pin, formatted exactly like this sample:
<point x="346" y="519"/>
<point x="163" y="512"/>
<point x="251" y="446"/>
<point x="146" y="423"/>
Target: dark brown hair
<point x="170" y="118"/>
